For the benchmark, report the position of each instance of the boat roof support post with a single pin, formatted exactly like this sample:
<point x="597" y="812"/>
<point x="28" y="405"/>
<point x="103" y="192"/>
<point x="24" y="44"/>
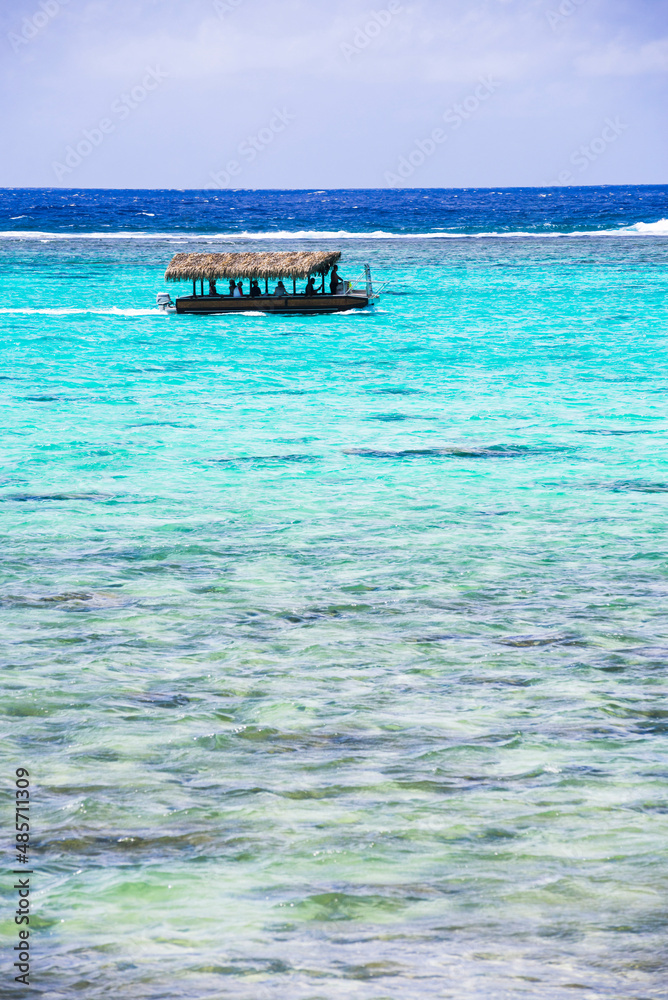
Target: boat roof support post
<point x="194" y="287"/>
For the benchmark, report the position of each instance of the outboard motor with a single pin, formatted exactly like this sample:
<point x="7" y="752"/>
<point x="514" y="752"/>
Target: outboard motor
<point x="164" y="302"/>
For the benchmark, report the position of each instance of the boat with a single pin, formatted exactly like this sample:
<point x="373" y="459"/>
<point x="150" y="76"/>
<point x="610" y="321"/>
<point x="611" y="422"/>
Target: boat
<point x="312" y="267"/>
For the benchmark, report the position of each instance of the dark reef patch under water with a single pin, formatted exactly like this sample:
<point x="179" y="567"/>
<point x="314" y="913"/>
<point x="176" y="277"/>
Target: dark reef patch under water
<point x="493" y="451"/>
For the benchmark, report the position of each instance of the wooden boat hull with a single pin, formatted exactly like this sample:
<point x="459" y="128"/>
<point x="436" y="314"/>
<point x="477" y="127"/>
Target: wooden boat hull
<point x="296" y="304"/>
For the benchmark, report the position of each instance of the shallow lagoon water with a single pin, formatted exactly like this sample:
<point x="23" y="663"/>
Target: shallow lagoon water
<point x="336" y="647"/>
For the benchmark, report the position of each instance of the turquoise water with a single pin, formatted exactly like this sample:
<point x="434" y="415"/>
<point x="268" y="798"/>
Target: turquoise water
<point x="336" y="646"/>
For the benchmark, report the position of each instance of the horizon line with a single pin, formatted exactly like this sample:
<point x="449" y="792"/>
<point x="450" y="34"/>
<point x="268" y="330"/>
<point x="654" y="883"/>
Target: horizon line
<point x="318" y="190"/>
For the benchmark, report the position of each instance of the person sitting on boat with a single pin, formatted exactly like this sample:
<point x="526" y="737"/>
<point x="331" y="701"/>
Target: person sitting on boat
<point x="310" y="286"/>
<point x="212" y="286"/>
<point x="232" y="286"/>
<point x="280" y="288"/>
<point x="238" y="292"/>
<point x="255" y="288"/>
<point x="335" y="283"/>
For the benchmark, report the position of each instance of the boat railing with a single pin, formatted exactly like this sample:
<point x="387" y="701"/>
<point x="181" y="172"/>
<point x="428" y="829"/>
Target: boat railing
<point x="363" y="279"/>
<point x="360" y="285"/>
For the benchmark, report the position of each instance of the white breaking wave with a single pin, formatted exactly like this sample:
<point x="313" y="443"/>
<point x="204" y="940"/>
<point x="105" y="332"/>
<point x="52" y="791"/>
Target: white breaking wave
<point x="659" y="228"/>
<point x="112" y="311"/>
<point x="30" y="234"/>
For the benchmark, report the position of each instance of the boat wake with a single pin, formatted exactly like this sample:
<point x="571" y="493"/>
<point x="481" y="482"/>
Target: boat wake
<point x="356" y="312"/>
<point x="113" y="311"/>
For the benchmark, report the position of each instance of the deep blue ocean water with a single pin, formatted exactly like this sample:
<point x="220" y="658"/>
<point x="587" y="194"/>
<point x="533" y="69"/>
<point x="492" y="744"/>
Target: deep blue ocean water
<point x="336" y="646"/>
<point x="412" y="211"/>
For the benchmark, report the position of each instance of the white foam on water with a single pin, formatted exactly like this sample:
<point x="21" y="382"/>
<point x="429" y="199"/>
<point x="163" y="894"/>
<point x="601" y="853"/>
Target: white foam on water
<point x="659" y="228"/>
<point x="113" y="311"/>
<point x="354" y="312"/>
<point x="35" y="234"/>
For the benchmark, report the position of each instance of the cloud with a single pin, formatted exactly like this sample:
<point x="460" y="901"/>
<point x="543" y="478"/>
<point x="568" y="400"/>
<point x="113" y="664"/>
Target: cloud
<point x="618" y="60"/>
<point x="365" y="80"/>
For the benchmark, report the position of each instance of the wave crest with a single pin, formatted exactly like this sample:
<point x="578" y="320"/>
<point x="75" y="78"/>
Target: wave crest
<point x="659" y="228"/>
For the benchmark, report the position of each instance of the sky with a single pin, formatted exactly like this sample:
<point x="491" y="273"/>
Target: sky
<point x="343" y="94"/>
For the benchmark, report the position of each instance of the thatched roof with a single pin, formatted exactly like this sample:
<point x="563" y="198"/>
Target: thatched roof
<point x="191" y="266"/>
